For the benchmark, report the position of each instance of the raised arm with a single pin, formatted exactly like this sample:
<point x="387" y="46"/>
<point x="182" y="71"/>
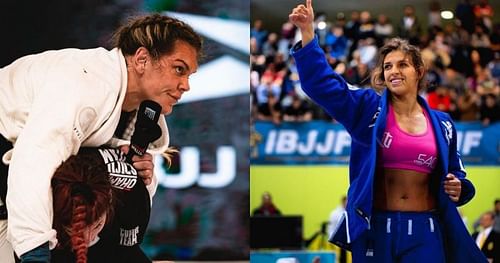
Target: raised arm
<point x="303" y="17"/>
<point x="351" y="106"/>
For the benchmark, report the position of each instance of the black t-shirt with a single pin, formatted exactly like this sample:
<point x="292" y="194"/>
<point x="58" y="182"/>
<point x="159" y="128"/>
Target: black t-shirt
<point x="120" y="239"/>
<point x="297" y="112"/>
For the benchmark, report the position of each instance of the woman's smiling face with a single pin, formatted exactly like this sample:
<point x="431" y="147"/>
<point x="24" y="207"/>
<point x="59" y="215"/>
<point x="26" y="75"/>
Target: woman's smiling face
<point x="400" y="75"/>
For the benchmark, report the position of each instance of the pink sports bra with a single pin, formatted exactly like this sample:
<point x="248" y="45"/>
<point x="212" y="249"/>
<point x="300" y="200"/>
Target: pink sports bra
<point x="401" y="150"/>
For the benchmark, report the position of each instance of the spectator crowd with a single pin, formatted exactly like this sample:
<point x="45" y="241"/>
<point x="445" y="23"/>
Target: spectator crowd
<point x="462" y="58"/>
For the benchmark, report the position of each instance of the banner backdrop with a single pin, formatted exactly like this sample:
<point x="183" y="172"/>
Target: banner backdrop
<point x="200" y="209"/>
<point x="319" y="142"/>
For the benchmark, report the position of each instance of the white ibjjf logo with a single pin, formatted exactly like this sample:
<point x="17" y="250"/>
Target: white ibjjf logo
<point x="387" y="140"/>
<point x="449" y="130"/>
<point x="128" y="237"/>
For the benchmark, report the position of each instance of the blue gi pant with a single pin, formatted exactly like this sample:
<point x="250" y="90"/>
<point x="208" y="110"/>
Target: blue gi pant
<point x="402" y="237"/>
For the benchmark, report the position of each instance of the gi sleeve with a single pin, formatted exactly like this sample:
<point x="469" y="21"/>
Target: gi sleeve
<point x="353" y="107"/>
<point x="59" y="120"/>
<point x="456" y="167"/>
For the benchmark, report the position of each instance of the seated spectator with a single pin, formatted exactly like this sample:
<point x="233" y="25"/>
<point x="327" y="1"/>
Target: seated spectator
<point x="409" y="26"/>
<point x="488" y="240"/>
<point x="495" y="38"/>
<point x="465" y="15"/>
<point x="270" y="46"/>
<point x="455" y="80"/>
<point x="267" y="207"/>
<point x="259" y="34"/>
<point x="496" y="211"/>
<point x="367" y="51"/>
<point x="383" y="29"/>
<point x="358" y="75"/>
<point x="336" y="43"/>
<point x="456" y="35"/>
<point x="287" y="36"/>
<point x="490" y="110"/>
<point x="299" y="110"/>
<point x="480" y="41"/>
<point x="268" y="95"/>
<point x="484" y="13"/>
<point x="468" y="106"/>
<point x="494" y="67"/>
<point x="367" y="27"/>
<point x="267" y="87"/>
<point x="440" y="99"/>
<point x="434" y="15"/>
<point x="270" y="111"/>
<point x="486" y="84"/>
<point x="432" y="77"/>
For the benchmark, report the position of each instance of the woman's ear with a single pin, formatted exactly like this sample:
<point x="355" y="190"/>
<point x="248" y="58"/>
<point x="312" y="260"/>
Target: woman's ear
<point x="421" y="72"/>
<point x="139" y="59"/>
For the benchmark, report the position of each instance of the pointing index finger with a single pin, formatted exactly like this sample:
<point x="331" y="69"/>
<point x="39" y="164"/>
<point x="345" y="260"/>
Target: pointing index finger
<point x="309" y="4"/>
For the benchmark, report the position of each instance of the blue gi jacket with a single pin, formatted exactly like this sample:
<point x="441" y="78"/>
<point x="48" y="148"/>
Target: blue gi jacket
<point x="363" y="113"/>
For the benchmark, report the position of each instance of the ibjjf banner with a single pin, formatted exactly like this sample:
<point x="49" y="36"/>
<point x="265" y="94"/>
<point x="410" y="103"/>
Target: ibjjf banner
<point x="319" y="142"/>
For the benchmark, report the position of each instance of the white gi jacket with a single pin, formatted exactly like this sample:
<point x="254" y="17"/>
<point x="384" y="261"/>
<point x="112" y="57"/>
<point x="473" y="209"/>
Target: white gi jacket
<point x="51" y="104"/>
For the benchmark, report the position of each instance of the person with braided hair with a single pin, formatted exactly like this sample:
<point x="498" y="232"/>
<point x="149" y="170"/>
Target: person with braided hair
<point x="55" y="102"/>
<point x="81" y="193"/>
<point x="101" y="209"/>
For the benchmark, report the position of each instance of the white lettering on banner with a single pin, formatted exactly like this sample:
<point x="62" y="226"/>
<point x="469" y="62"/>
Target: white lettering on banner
<point x="291" y="143"/>
<point x="190" y="169"/>
<point x="308" y="147"/>
<point x="271" y="139"/>
<point x="469" y="140"/>
<point x="326" y="148"/>
<point x="343" y="140"/>
<point x="287" y="141"/>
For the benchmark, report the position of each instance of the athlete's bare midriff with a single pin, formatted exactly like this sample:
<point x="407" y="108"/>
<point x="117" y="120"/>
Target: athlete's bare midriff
<point x="402" y="190"/>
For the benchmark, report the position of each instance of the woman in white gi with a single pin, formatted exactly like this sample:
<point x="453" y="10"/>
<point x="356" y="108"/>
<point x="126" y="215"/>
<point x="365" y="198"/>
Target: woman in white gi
<point x="55" y="102"/>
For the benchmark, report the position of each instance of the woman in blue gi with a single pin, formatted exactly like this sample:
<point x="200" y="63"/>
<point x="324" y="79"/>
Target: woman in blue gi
<point x="406" y="176"/>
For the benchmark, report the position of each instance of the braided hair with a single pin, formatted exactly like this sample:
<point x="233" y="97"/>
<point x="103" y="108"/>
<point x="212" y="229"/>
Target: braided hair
<point x="81" y="195"/>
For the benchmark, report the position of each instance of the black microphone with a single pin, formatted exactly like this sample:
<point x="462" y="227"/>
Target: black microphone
<point x="146" y="129"/>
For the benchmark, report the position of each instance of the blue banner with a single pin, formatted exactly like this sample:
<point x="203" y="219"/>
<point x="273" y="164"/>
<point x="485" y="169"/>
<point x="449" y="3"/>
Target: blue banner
<point x="319" y="142"/>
